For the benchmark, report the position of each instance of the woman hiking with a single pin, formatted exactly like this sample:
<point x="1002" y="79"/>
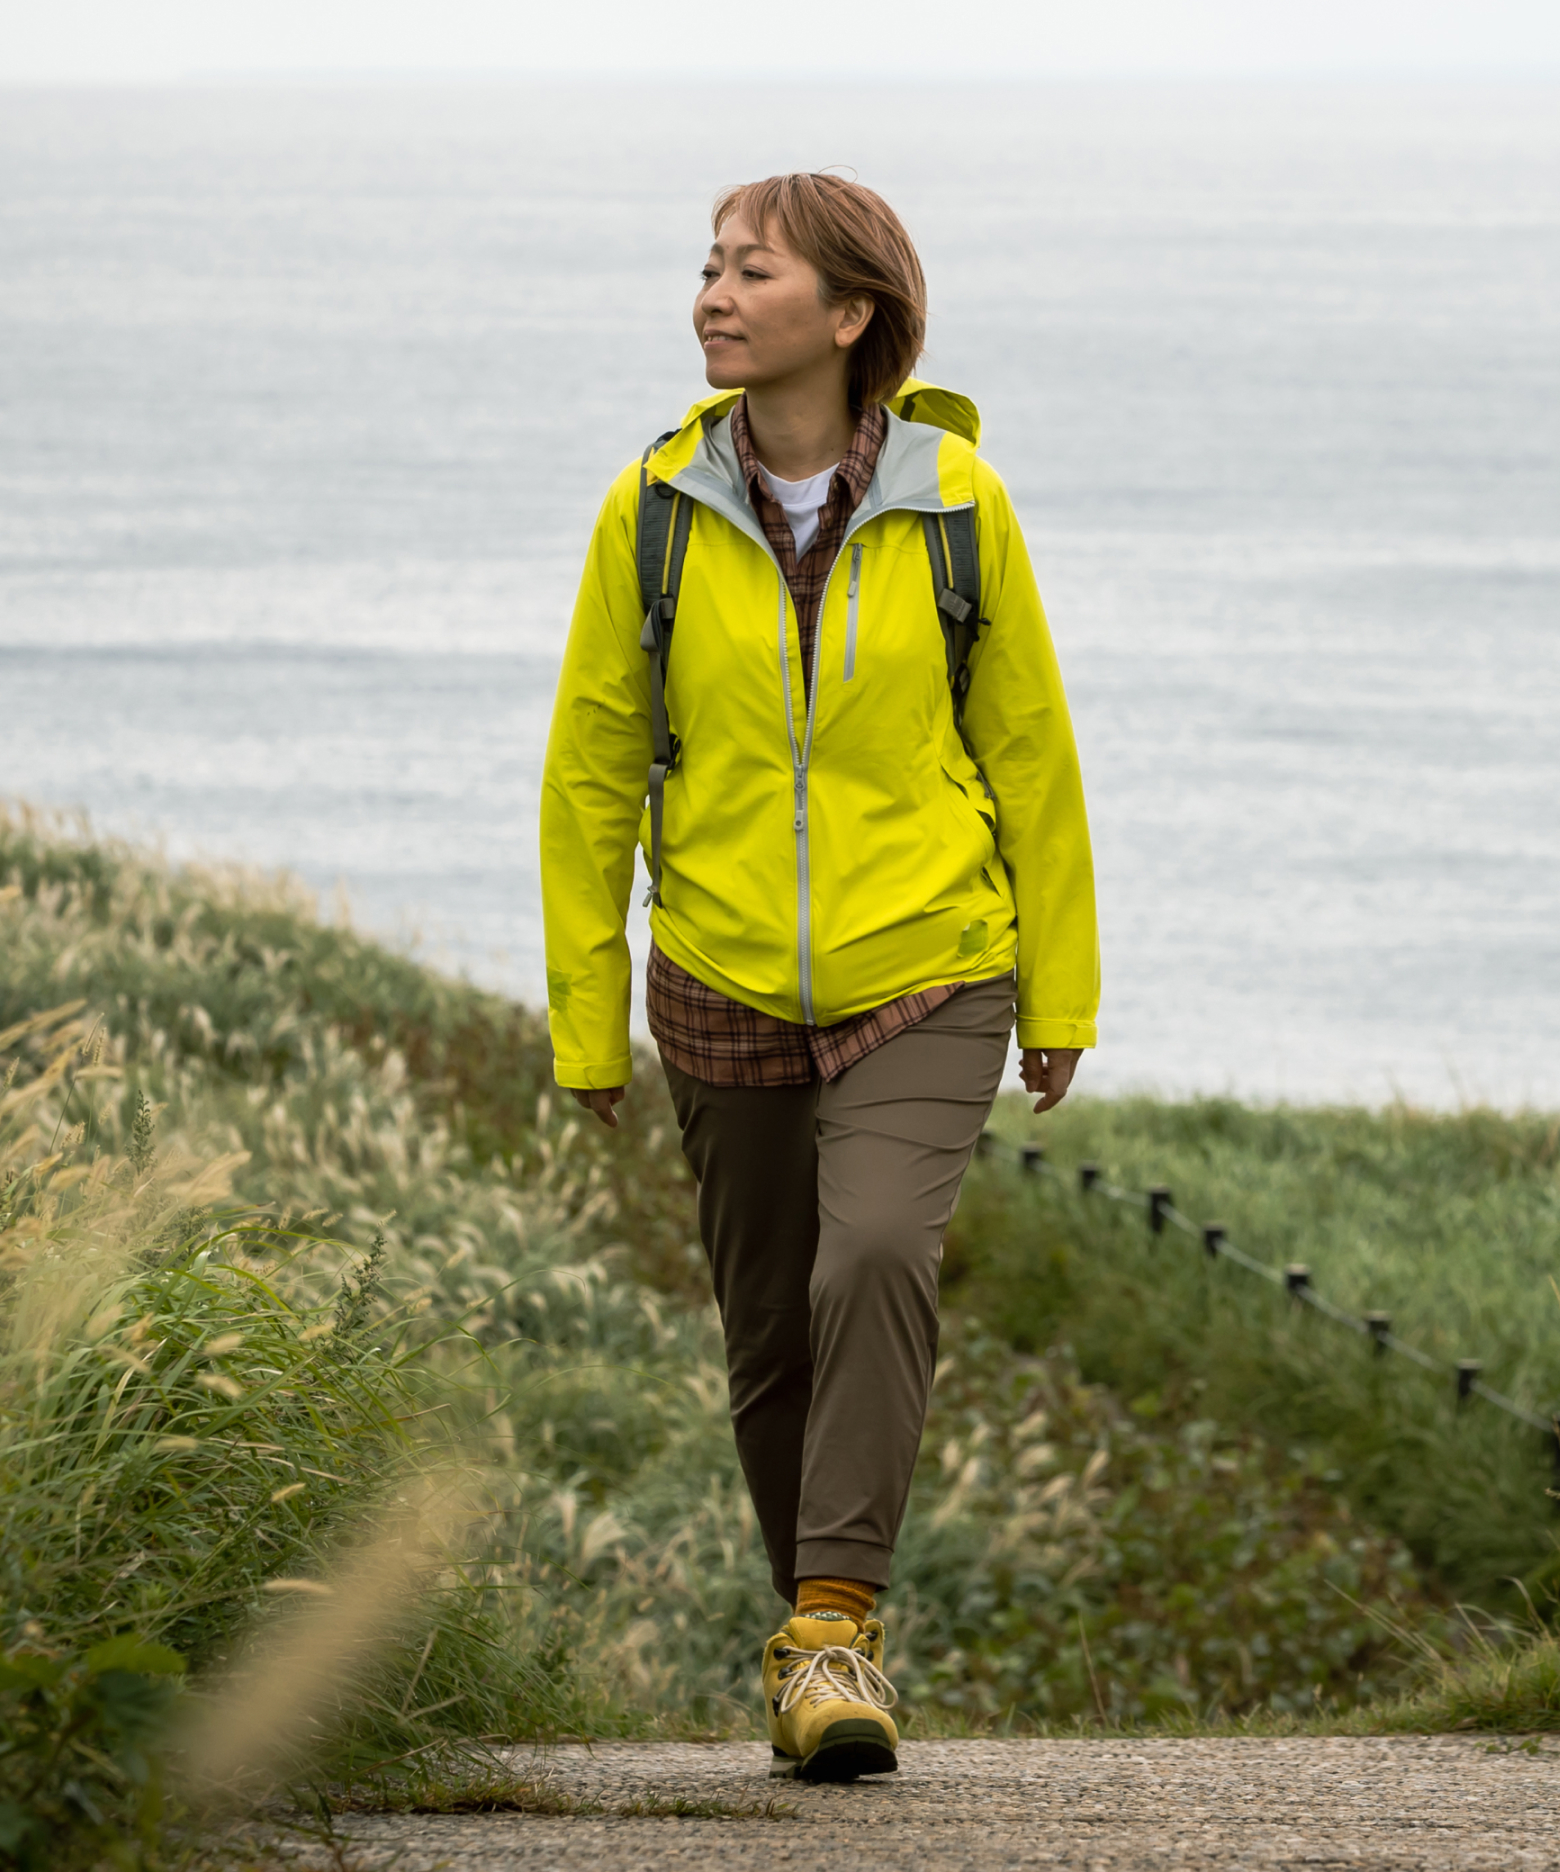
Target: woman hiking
<point x="866" y="838"/>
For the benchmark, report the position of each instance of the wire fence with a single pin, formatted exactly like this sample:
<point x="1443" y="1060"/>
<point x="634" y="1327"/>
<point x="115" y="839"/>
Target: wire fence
<point x="1294" y="1278"/>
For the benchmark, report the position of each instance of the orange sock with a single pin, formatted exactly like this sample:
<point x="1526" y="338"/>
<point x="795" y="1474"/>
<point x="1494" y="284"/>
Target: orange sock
<point x="854" y="1598"/>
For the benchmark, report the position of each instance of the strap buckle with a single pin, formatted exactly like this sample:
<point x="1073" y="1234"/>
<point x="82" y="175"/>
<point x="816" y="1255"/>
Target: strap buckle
<point x="663" y="611"/>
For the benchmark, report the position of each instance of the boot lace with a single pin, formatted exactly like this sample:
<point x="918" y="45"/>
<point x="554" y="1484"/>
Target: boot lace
<point x="836" y="1671"/>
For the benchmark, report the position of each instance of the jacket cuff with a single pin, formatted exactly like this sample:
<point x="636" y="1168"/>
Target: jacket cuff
<point x="1034" y="1032"/>
<point x="597" y="1075"/>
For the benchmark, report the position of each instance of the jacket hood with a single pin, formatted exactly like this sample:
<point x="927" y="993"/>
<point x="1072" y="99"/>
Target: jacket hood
<point x="943" y="409"/>
<point x="914" y="401"/>
<point x="915" y="469"/>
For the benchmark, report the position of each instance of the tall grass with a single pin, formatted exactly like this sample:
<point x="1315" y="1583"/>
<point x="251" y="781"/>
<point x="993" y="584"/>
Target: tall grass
<point x="187" y="1438"/>
<point x="222" y="988"/>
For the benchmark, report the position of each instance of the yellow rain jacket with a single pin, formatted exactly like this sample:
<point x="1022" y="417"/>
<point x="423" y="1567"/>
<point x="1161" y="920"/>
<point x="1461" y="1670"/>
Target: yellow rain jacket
<point x="817" y="861"/>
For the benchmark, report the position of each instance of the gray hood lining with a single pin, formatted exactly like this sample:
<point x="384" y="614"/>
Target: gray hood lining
<point x="905" y="477"/>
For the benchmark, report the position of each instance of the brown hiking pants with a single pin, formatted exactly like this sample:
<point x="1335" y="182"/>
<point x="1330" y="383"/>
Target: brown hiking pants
<point x="822" y="1209"/>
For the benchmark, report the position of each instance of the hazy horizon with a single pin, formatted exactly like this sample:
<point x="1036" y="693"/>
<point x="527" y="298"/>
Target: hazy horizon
<point x="128" y="41"/>
<point x="1524" y="76"/>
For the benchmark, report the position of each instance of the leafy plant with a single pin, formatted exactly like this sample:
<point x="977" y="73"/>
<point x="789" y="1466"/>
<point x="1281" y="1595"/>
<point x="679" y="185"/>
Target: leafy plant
<point x="81" y="1741"/>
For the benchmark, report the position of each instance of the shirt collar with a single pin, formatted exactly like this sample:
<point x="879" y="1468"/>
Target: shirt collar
<point x="855" y="470"/>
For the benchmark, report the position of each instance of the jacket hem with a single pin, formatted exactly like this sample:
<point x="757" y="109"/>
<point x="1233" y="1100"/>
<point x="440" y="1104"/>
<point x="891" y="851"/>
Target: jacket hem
<point x="998" y="960"/>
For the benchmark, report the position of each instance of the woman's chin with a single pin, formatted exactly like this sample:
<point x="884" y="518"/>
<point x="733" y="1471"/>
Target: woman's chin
<point x="722" y="373"/>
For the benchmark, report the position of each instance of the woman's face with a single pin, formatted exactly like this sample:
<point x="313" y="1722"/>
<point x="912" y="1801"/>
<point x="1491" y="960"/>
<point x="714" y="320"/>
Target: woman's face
<point x="759" y="315"/>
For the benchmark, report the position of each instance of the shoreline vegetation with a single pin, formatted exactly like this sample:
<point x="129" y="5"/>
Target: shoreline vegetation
<point x="361" y="1409"/>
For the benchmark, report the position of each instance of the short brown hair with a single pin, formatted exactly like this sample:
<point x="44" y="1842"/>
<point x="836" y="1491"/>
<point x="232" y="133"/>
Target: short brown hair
<point x="858" y="245"/>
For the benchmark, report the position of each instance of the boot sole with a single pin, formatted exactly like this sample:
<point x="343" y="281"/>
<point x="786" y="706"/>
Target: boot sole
<point x="845" y="1751"/>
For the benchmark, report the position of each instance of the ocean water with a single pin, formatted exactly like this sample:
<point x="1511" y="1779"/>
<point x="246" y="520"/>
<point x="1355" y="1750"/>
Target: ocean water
<point x="308" y="397"/>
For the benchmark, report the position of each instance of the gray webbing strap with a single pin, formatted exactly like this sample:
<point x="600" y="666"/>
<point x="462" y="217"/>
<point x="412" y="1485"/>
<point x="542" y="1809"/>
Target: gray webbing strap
<point x="655" y="520"/>
<point x="956" y="583"/>
<point x="665" y="518"/>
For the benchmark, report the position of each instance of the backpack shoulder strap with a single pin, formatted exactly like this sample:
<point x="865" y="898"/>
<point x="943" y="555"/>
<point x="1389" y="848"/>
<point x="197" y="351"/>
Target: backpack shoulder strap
<point x="655" y="521"/>
<point x="950" y="545"/>
<point x="665" y="518"/>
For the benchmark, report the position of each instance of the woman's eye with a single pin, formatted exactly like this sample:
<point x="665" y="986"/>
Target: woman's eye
<point x="707" y="274"/>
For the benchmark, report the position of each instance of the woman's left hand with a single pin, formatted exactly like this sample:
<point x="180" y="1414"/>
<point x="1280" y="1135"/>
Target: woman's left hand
<point x="601" y="1102"/>
<point x="1049" y="1071"/>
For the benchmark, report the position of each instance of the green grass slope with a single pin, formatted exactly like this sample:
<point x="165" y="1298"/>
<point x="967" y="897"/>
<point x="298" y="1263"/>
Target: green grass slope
<point x="1449" y="1222"/>
<point x="1143" y="1492"/>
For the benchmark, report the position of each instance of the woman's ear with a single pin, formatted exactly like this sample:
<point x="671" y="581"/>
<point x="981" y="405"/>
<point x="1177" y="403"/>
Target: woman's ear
<point x="856" y="316"/>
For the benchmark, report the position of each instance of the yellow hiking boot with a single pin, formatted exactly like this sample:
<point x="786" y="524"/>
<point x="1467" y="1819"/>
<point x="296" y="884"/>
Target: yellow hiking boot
<point x="827" y="1700"/>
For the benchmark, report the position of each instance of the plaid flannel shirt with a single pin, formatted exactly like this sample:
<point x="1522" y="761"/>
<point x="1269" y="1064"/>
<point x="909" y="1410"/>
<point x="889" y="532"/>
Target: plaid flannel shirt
<point x="705" y="1033"/>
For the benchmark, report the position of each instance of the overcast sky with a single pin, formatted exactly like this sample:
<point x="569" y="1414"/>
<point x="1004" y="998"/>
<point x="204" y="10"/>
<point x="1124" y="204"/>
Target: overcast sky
<point x="130" y="40"/>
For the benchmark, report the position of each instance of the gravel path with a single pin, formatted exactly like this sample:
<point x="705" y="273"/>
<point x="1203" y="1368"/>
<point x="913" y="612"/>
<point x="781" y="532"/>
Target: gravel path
<point x="1408" y="1804"/>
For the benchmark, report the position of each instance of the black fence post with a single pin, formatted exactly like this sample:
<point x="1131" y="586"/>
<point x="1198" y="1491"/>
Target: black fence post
<point x="983" y="1144"/>
<point x="1379" y="1326"/>
<point x="1213" y="1240"/>
<point x="1468" y="1370"/>
<point x="1031" y="1157"/>
<point x="1297" y="1278"/>
<point x="1088" y="1176"/>
<point x="1159" y="1200"/>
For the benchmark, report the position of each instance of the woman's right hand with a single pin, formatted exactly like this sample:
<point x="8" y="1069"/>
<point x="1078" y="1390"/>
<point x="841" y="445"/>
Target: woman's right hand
<point x="1049" y="1071"/>
<point x="600" y="1101"/>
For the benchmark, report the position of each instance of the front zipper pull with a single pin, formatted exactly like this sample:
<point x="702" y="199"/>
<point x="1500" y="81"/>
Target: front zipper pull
<point x="855" y="572"/>
<point x="800" y="821"/>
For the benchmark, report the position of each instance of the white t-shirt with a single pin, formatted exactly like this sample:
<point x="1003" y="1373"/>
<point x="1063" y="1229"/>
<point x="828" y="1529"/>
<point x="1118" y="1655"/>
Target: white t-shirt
<point x="801" y="502"/>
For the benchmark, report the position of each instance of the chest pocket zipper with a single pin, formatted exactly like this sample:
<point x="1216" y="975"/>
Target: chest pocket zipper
<point x="852" y="606"/>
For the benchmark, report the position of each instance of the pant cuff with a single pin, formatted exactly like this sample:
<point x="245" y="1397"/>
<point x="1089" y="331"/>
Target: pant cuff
<point x="844" y="1559"/>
